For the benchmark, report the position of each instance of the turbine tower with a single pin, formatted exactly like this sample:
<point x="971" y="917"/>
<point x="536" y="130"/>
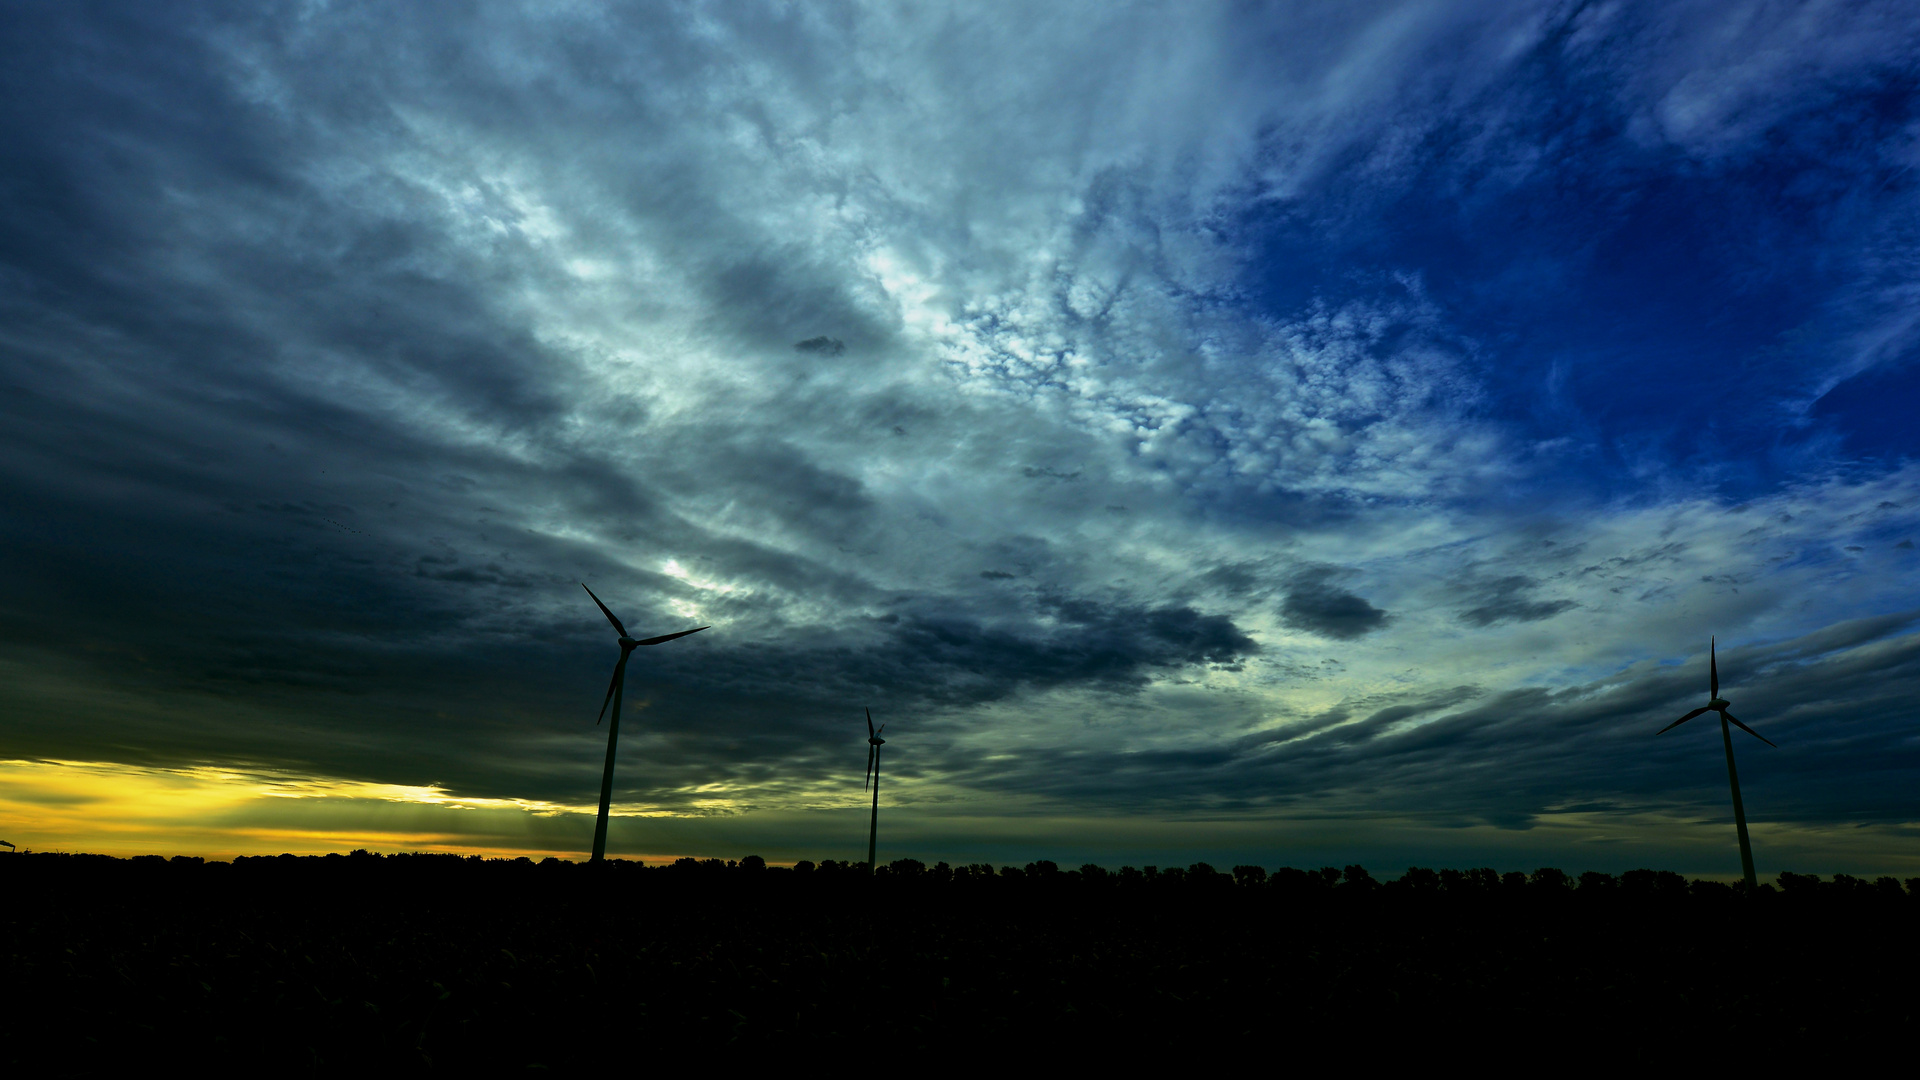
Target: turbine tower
<point x="1716" y="703"/>
<point x="614" y="689"/>
<point x="874" y="742"/>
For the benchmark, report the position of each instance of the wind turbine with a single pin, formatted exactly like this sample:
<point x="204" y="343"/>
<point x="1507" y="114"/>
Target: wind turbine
<point x="614" y="689"/>
<point x="874" y="742"/>
<point x="1716" y="703"/>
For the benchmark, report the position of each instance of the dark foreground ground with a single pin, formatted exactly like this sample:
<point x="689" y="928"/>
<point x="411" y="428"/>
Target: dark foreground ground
<point x="437" y="963"/>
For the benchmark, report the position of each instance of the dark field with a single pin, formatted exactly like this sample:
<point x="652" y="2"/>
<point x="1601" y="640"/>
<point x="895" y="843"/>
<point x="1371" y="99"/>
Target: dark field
<point x="441" y="963"/>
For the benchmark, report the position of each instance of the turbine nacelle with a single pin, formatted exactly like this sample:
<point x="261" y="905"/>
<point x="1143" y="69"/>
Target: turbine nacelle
<point x="874" y="743"/>
<point x="627" y="644"/>
<point x="1715" y="703"/>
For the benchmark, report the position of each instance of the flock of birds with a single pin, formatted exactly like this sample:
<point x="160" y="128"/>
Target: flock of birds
<point x="1715" y="703"/>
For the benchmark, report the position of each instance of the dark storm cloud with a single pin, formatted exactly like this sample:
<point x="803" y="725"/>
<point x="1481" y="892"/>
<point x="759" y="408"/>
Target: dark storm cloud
<point x="822" y="346"/>
<point x="1507" y="599"/>
<point x="449" y="643"/>
<point x="920" y="659"/>
<point x="1316" y="604"/>
<point x="762" y="303"/>
<point x="1846" y="752"/>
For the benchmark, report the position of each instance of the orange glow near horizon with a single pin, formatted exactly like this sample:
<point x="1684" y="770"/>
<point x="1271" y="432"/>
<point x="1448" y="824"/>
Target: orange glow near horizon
<point x="222" y="811"/>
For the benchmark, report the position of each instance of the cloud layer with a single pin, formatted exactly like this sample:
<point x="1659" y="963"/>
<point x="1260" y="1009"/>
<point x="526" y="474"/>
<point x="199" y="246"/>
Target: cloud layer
<point x="1277" y="416"/>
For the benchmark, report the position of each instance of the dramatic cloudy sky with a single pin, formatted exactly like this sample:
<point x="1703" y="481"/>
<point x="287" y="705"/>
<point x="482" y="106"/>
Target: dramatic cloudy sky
<point x="1290" y="433"/>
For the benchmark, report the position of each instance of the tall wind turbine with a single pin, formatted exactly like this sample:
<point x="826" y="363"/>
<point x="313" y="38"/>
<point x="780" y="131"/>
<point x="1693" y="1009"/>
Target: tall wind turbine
<point x="874" y="742"/>
<point x="1716" y="703"/>
<point x="614" y="689"/>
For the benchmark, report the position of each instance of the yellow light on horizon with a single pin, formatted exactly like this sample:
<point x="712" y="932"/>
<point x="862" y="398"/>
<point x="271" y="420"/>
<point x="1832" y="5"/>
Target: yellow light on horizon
<point x="111" y="808"/>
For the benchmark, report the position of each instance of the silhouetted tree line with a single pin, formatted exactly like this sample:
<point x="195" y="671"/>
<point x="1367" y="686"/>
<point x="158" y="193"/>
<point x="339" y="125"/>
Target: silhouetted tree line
<point x="1285" y="881"/>
<point x="443" y="962"/>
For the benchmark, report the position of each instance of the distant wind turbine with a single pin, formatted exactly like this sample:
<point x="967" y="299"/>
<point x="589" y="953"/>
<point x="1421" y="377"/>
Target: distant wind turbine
<point x="614" y="689"/>
<point x="1716" y="703"/>
<point x="874" y="742"/>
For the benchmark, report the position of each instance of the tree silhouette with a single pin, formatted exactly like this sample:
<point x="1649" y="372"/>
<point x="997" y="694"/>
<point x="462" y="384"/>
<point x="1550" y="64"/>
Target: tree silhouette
<point x="467" y="963"/>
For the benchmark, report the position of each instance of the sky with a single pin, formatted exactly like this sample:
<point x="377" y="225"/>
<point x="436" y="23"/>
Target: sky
<point x="1293" y="434"/>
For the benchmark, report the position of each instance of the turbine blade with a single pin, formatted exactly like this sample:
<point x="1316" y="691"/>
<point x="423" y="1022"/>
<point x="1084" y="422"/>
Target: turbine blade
<point x="1748" y="730"/>
<point x="670" y="637"/>
<point x="611" y="686"/>
<point x="1683" y="720"/>
<point x="1713" y="669"/>
<point x="869" y="723"/>
<point x="868" y="777"/>
<point x="609" y="614"/>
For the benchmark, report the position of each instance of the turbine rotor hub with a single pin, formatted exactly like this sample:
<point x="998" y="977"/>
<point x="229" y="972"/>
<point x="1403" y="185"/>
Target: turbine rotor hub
<point x="876" y="740"/>
<point x="1720" y="704"/>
